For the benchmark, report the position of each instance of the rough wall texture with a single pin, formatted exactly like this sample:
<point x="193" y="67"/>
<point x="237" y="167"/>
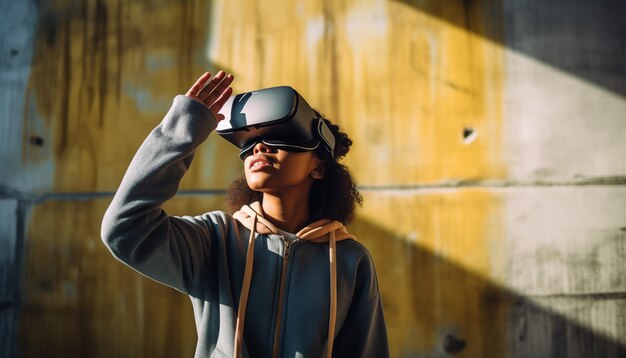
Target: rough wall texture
<point x="488" y="144"/>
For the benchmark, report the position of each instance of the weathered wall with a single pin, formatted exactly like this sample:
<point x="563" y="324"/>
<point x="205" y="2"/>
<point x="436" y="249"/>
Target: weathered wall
<point x="488" y="144"/>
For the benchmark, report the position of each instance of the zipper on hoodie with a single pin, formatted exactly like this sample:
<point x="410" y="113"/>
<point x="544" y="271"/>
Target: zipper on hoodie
<point x="281" y="291"/>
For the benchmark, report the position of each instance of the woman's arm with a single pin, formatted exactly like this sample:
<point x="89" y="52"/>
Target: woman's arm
<point x="171" y="250"/>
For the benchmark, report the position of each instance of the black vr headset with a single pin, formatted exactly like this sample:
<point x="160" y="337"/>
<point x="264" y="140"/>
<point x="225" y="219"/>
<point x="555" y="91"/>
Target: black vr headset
<point x="279" y="117"/>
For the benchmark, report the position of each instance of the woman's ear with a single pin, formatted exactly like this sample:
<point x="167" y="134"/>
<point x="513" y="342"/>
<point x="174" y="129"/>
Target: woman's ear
<point x="320" y="170"/>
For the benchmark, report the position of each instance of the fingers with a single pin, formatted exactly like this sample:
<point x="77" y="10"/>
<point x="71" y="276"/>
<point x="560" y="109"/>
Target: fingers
<point x="212" y="92"/>
<point x="195" y="89"/>
<point x="215" y="87"/>
<point x="211" y="85"/>
<point x="219" y="102"/>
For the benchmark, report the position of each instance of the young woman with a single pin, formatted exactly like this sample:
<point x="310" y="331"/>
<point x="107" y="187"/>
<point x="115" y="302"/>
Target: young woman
<point x="281" y="277"/>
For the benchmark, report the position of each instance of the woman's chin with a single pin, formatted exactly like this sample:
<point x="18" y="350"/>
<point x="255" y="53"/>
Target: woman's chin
<point x="257" y="183"/>
<point x="271" y="184"/>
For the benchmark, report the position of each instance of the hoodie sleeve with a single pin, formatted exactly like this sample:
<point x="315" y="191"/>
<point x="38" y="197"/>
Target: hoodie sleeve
<point x="136" y="230"/>
<point x="364" y="333"/>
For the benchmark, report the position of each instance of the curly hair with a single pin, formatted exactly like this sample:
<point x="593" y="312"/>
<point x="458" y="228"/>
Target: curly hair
<point x="336" y="195"/>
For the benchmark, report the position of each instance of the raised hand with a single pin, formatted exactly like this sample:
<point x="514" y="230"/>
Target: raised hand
<point x="212" y="92"/>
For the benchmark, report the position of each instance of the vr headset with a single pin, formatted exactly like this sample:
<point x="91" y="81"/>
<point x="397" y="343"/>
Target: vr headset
<point x="278" y="117"/>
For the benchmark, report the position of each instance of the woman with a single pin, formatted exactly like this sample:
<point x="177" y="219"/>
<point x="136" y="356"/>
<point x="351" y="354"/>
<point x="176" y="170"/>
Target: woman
<point x="257" y="289"/>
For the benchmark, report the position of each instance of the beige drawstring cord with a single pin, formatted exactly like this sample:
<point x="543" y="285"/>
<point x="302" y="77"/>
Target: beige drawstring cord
<point x="332" y="317"/>
<point x="245" y="290"/>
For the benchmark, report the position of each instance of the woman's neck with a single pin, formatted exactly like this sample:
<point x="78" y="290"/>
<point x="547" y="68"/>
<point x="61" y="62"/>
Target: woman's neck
<point x="288" y="211"/>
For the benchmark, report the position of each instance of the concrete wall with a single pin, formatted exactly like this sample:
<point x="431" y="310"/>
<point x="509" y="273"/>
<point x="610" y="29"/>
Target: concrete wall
<point x="488" y="145"/>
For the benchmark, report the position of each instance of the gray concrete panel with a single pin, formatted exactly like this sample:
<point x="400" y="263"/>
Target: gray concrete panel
<point x="18" y="29"/>
<point x="573" y="327"/>
<point x="565" y="91"/>
<point x="566" y="240"/>
<point x="9" y="274"/>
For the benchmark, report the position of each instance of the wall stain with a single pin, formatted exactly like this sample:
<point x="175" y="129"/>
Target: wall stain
<point x="330" y="45"/>
<point x="101" y="16"/>
<point x="119" y="48"/>
<point x="64" y="93"/>
<point x="87" y="52"/>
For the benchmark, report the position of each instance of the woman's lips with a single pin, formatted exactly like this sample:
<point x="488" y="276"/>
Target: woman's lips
<point x="259" y="163"/>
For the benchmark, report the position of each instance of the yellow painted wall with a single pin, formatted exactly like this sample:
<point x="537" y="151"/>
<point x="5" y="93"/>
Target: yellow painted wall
<point x="436" y="254"/>
<point x="404" y="80"/>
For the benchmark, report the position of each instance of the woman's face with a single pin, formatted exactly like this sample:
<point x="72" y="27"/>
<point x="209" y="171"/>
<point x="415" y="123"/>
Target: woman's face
<point x="271" y="170"/>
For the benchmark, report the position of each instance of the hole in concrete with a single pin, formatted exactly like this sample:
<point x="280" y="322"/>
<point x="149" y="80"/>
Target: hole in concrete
<point x="469" y="135"/>
<point x="36" y="141"/>
<point x="452" y="344"/>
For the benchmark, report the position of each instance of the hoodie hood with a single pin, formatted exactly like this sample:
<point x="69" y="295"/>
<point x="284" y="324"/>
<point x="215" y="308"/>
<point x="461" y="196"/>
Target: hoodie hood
<point x="317" y="231"/>
<point x="320" y="231"/>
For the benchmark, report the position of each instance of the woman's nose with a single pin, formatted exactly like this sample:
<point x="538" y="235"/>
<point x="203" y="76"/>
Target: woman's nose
<point x="261" y="147"/>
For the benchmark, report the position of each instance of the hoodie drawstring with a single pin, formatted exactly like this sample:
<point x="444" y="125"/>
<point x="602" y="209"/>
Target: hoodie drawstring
<point x="245" y="290"/>
<point x="332" y="317"/>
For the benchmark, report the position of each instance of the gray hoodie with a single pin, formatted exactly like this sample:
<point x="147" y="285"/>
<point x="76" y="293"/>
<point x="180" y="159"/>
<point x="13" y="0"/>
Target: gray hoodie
<point x="289" y="287"/>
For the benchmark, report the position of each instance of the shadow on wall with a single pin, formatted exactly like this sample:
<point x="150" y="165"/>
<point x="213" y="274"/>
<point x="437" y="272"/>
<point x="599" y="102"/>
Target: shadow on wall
<point x="436" y="308"/>
<point x="584" y="38"/>
<point x="78" y="300"/>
